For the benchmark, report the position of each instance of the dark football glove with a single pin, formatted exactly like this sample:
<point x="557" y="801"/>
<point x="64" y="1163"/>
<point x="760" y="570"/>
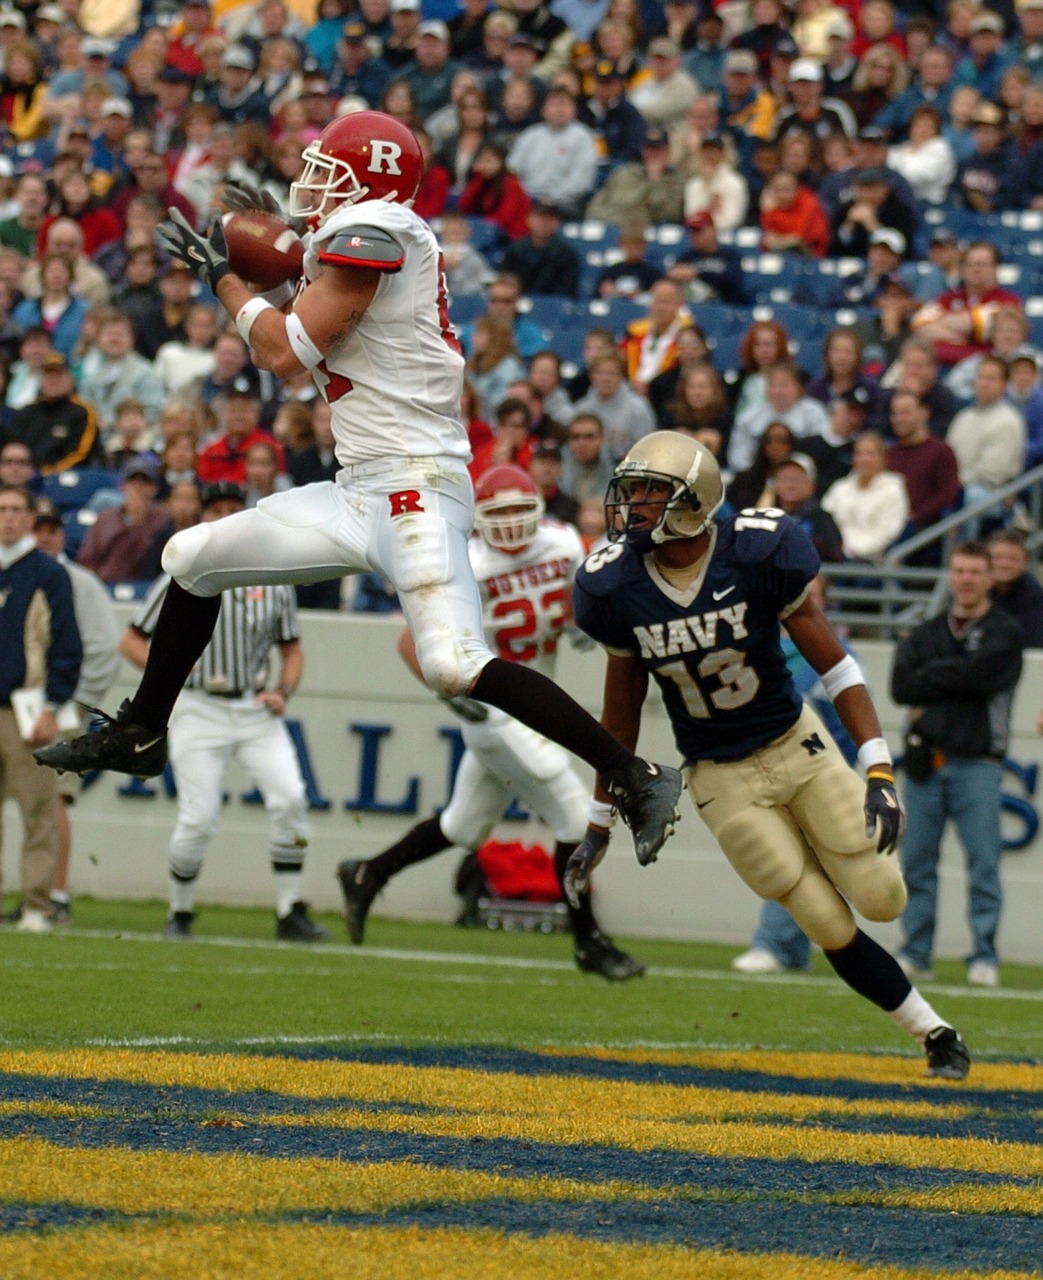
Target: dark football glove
<point x="205" y="254"/>
<point x="469" y="709"/>
<point x="241" y="197"/>
<point x="582" y="861"/>
<point x="884" y="812"/>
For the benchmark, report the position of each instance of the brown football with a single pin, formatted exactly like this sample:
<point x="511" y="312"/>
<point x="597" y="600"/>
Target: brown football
<point x="262" y="249"/>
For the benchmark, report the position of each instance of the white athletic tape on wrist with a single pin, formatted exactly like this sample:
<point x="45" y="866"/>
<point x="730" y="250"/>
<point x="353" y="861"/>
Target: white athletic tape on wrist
<point x="845" y="675"/>
<point x="601" y="815"/>
<point x="300" y="344"/>
<point x="874" y="751"/>
<point x="247" y="315"/>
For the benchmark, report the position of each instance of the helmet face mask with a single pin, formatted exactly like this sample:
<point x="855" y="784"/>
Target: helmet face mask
<point x="365" y="156"/>
<point x="677" y="484"/>
<point x="507" y="509"/>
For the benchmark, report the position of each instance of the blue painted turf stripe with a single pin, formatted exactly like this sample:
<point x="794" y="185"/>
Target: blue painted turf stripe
<point x="156" y="1129"/>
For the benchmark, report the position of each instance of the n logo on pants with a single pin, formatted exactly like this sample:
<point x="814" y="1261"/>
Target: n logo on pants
<point x="405" y="502"/>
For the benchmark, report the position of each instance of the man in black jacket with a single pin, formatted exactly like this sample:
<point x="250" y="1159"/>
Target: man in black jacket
<point x="957" y="674"/>
<point x="60" y="429"/>
<point x="1015" y="589"/>
<point x="544" y="261"/>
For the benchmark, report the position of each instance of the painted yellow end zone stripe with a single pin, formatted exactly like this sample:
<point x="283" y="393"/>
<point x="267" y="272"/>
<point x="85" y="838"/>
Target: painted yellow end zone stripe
<point x="548" y="1108"/>
<point x="220" y="1252"/>
<point x="217" y="1186"/>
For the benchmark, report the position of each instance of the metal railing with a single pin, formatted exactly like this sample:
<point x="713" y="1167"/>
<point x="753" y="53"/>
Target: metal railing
<point x="885" y="600"/>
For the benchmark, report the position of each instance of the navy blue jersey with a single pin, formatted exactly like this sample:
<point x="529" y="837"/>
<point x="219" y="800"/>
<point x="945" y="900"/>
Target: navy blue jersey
<point x="715" y="649"/>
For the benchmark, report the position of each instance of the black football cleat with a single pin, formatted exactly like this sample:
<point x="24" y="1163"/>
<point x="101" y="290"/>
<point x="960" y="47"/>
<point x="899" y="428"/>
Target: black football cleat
<point x="597" y="954"/>
<point x="359" y="893"/>
<point x="646" y="795"/>
<point x="118" y="745"/>
<point x="298" y="926"/>
<point x="178" y="927"/>
<point x="947" y="1056"/>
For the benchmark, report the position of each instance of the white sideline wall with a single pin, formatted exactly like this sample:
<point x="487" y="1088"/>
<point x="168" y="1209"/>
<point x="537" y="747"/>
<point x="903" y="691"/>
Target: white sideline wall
<point x="353" y="677"/>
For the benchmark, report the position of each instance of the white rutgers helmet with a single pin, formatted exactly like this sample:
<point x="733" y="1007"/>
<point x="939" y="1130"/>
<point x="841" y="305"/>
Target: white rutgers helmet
<point x="693" y="479"/>
<point x="368" y="155"/>
<point x="507" y="507"/>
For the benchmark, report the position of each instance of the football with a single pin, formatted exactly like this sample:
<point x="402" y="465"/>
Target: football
<point x="262" y="249"/>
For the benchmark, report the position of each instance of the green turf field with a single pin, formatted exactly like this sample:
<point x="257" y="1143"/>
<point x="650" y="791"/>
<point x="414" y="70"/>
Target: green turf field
<point x="461" y="1103"/>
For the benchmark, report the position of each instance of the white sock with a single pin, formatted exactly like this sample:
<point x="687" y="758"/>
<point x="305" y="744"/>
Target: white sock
<point x="182" y="894"/>
<point x="916" y="1016"/>
<point x="288" y="887"/>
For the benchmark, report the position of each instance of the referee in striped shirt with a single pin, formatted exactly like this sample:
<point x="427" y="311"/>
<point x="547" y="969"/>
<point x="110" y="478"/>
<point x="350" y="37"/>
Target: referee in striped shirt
<point x="226" y="711"/>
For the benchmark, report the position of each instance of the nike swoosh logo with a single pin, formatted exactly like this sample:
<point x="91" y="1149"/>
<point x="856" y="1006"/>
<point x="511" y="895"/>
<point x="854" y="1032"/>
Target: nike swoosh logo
<point x="704" y="803"/>
<point x="139" y="747"/>
<point x="719" y="595"/>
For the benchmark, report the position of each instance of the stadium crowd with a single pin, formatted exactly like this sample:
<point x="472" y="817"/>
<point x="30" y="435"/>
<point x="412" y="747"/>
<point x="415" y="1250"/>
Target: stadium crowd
<point x="772" y="226"/>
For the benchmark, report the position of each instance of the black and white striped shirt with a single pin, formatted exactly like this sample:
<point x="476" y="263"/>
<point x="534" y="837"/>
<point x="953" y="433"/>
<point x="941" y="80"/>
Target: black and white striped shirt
<point x="251" y="620"/>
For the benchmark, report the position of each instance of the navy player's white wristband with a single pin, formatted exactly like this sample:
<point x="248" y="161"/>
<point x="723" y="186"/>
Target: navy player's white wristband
<point x="601" y="815"/>
<point x="845" y="675"/>
<point x="247" y="315"/>
<point x="874" y="751"/>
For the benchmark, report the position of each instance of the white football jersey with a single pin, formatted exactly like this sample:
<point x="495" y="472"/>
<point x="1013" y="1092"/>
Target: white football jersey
<point x="394" y="384"/>
<point x="527" y="598"/>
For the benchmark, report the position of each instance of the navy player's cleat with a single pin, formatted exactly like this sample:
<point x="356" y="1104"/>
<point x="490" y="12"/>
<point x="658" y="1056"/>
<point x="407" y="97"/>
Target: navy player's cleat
<point x="358" y="895"/>
<point x="179" y="926"/>
<point x="118" y="745"/>
<point x="597" y="954"/>
<point x="298" y="926"/>
<point x="646" y="795"/>
<point x="947" y="1055"/>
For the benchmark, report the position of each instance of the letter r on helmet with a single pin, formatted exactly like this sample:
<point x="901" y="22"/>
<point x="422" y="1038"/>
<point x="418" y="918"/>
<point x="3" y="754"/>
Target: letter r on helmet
<point x="383" y="157"/>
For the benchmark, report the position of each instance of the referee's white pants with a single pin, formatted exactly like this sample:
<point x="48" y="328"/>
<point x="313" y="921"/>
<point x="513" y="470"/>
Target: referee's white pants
<point x="205" y="733"/>
<point x="505" y="759"/>
<point x="406" y="518"/>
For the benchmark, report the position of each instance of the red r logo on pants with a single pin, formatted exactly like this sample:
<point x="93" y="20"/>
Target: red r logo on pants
<point x="406" y="501"/>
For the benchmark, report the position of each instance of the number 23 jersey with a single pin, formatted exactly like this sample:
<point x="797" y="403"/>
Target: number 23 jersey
<point x="713" y="648"/>
<point x="525" y="597"/>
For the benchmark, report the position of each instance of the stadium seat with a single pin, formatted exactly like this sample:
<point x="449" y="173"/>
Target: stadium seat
<point x="546" y="310"/>
<point x="465" y="309"/>
<point x="69" y="490"/>
<point x="76" y="524"/>
<point x="129" y="592"/>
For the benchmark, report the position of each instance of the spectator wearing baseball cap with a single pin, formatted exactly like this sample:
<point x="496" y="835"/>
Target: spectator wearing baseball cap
<point x="986" y="60"/>
<point x="768" y="36"/>
<point x="431" y="75"/>
<point x="747" y="109"/>
<point x="665" y="95"/>
<point x="357" y="72"/>
<point x="635" y="274"/>
<point x="992" y="178"/>
<point x="617" y="124"/>
<point x="649" y="191"/>
<point x="544" y="261"/>
<point x="120" y="545"/>
<point x="704" y="48"/>
<point x="808" y="108"/>
<point x="59" y="428"/>
<point x="237" y="99"/>
<point x="870" y="206"/>
<point x="707" y="270"/>
<point x="400" y="46"/>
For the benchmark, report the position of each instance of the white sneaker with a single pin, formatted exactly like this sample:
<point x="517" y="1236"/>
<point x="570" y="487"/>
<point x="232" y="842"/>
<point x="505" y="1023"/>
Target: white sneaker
<point x="913" y="972"/>
<point x="757" y="960"/>
<point x="983" y="973"/>
<point x="33" y="922"/>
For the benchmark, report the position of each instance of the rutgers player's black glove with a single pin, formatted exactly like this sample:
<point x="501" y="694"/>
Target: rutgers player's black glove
<point x="241" y="197"/>
<point x="205" y="255"/>
<point x="582" y="861"/>
<point x="884" y="812"/>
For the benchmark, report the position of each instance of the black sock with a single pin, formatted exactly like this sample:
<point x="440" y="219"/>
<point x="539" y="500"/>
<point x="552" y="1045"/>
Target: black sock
<point x="543" y="706"/>
<point x="183" y="629"/>
<point x="581" y="918"/>
<point x="871" y="971"/>
<point x="422" y="842"/>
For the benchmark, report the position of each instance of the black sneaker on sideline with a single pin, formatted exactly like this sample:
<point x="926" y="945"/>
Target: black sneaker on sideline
<point x="358" y="896"/>
<point x="597" y="954"/>
<point x="947" y="1055"/>
<point x="298" y="926"/>
<point x="646" y="795"/>
<point x="178" y="927"/>
<point x="118" y="745"/>
<point x="61" y="910"/>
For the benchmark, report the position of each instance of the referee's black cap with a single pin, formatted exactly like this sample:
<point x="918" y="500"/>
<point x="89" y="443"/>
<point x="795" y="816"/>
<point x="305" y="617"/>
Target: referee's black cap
<point x="222" y="491"/>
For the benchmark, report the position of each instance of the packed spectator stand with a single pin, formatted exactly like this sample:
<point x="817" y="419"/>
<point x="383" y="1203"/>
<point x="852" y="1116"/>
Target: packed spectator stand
<point x="782" y="180"/>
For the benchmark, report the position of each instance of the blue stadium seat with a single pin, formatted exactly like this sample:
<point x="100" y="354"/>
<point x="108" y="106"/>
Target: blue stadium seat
<point x="76" y="524"/>
<point x="613" y="313"/>
<point x="129" y="592"/>
<point x="546" y="310"/>
<point x="463" y="310"/>
<point x="69" y="490"/>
